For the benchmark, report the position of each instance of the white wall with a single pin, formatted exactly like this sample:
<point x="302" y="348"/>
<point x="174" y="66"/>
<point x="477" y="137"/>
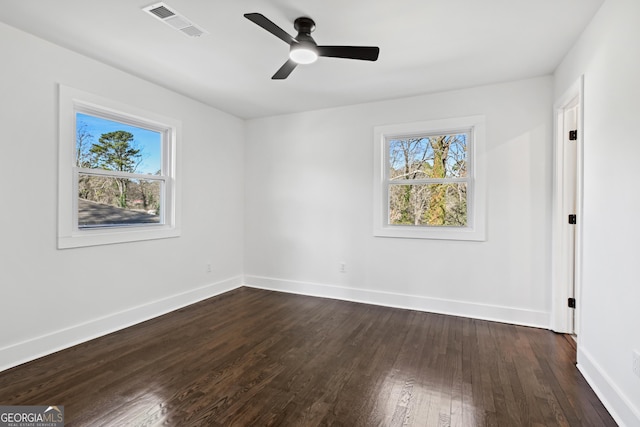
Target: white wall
<point x="607" y="55"/>
<point x="308" y="202"/>
<point x="53" y="298"/>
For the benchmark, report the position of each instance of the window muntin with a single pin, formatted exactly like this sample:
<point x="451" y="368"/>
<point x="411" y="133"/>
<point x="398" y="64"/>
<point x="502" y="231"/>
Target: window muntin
<point x="429" y="179"/>
<point x="91" y="208"/>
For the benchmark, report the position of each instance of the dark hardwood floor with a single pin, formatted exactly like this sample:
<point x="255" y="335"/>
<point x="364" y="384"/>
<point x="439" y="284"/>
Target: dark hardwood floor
<point x="254" y="358"/>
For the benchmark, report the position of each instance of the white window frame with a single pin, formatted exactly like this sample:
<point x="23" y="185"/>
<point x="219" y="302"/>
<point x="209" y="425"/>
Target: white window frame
<point x="73" y="101"/>
<point x="475" y="230"/>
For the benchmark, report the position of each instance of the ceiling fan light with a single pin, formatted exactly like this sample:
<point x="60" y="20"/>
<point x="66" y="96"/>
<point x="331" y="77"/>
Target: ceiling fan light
<point x="303" y="55"/>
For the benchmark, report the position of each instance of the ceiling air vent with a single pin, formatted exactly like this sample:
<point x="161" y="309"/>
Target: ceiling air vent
<point x="169" y="16"/>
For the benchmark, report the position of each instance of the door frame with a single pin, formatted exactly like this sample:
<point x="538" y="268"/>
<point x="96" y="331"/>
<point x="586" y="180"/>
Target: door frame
<point x="561" y="314"/>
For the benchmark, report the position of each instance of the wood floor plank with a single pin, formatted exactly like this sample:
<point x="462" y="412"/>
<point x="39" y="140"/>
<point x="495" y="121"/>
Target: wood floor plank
<point x="253" y="357"/>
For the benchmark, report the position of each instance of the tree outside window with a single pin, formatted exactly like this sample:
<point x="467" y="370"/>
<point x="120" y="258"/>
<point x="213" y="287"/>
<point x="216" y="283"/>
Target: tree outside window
<point x="427" y="177"/>
<point x="120" y="196"/>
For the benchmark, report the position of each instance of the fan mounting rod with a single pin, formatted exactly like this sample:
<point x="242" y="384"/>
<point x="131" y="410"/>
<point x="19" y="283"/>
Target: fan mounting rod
<point x="304" y="25"/>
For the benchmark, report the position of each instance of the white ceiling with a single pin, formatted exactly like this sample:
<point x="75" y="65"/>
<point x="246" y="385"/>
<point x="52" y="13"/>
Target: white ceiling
<point x="425" y="45"/>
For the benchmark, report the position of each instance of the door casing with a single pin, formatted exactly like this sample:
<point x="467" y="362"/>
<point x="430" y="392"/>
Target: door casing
<point x="566" y="251"/>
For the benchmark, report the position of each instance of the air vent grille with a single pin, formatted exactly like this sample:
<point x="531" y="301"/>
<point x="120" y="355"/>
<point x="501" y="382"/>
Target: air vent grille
<point x="192" y="31"/>
<point x="177" y="22"/>
<point x="161" y="12"/>
<point x="169" y="16"/>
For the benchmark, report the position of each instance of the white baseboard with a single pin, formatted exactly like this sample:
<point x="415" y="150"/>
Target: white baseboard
<point x="538" y="319"/>
<point x="620" y="407"/>
<point x="31" y="349"/>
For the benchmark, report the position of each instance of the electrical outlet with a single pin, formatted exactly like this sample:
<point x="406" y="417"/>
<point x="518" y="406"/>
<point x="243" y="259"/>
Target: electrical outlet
<point x="636" y="362"/>
<point x="209" y="269"/>
<point x="343" y="267"/>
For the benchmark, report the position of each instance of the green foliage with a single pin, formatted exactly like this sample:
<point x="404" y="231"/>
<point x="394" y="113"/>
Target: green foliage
<point x="115" y="151"/>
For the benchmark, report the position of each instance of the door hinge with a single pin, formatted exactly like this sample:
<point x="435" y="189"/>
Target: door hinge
<point x="573" y="135"/>
<point x="571" y="303"/>
<point x="573" y="219"/>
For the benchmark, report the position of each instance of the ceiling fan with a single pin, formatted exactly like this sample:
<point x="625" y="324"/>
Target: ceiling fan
<point x="304" y="50"/>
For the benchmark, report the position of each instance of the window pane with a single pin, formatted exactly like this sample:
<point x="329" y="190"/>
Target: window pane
<point x="110" y="145"/>
<point x="429" y="204"/>
<point x="110" y="201"/>
<point x="439" y="156"/>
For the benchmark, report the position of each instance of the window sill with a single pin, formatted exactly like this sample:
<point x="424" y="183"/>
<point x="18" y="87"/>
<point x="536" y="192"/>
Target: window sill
<point x="436" y="233"/>
<point x="113" y="236"/>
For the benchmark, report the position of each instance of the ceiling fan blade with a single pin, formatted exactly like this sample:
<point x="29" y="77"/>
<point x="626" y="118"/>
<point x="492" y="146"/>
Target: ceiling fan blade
<point x="285" y="70"/>
<point x="265" y="23"/>
<point x="365" y="53"/>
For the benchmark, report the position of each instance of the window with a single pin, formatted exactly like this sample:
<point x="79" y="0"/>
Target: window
<point x="117" y="172"/>
<point x="429" y="180"/>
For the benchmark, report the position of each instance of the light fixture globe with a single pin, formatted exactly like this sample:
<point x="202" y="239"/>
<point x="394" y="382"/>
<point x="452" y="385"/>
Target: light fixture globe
<point x="303" y="53"/>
